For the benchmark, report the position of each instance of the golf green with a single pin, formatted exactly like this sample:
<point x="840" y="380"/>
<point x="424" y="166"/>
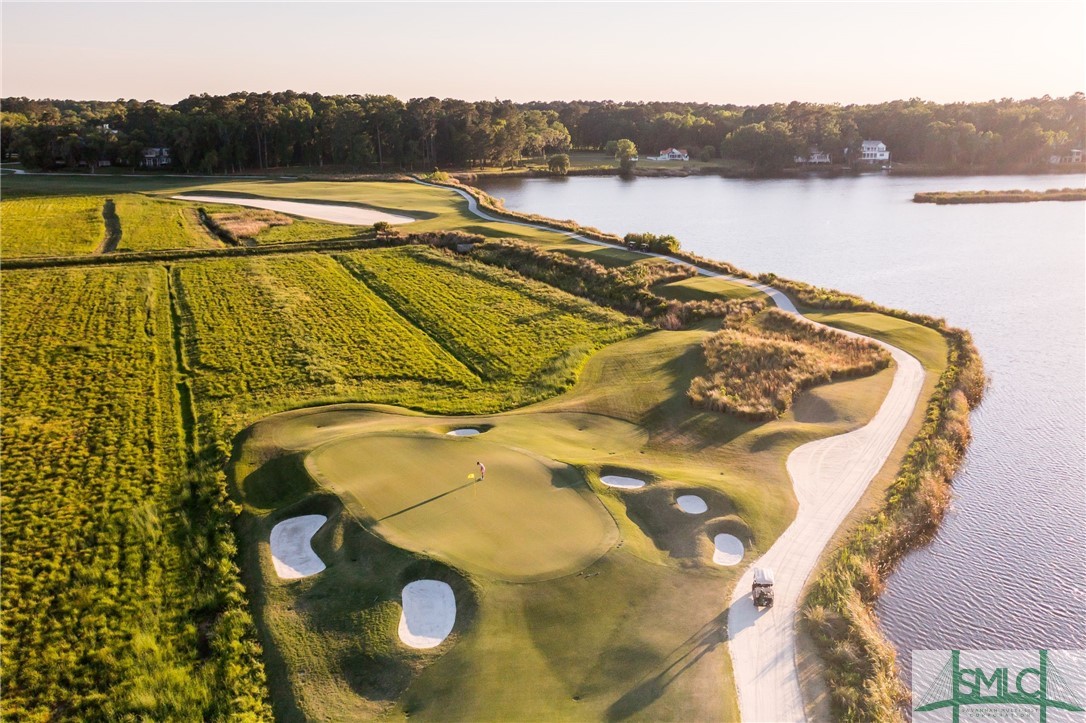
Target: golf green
<point x="530" y="518"/>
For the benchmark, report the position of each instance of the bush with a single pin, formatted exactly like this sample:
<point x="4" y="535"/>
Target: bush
<point x="558" y="164"/>
<point x="665" y="244"/>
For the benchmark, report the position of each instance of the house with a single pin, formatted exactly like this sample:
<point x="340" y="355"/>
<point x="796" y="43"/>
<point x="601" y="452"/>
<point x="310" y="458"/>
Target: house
<point x="814" y="157"/>
<point x="673" y="154"/>
<point x="104" y="128"/>
<point x="156" y="157"/>
<point x="1072" y="156"/>
<point x="874" y="152"/>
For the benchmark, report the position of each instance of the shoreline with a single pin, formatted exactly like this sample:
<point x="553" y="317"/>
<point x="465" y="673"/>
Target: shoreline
<point x="920" y="489"/>
<point x="468" y="175"/>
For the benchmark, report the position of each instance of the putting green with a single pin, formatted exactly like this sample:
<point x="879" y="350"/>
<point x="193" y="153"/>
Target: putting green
<point x="529" y="519"/>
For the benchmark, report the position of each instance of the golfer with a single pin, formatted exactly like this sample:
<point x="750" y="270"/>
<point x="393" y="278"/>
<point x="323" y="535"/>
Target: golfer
<point x="482" y="470"/>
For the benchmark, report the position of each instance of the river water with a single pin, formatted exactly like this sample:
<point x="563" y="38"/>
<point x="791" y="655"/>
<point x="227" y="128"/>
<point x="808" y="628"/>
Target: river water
<point x="1008" y="567"/>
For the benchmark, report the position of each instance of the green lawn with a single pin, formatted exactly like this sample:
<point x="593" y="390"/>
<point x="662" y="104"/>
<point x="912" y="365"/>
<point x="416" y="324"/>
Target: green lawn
<point x="51" y="226"/>
<point x="149" y="224"/>
<point x="427" y="496"/>
<point x="704" y="288"/>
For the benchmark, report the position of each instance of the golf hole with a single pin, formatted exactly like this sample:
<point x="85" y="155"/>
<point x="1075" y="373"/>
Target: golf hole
<point x="691" y="504"/>
<point x="626" y="483"/>
<point x="429" y="613"/>
<point x="291" y="549"/>
<point x="727" y="550"/>
<point x="464" y="432"/>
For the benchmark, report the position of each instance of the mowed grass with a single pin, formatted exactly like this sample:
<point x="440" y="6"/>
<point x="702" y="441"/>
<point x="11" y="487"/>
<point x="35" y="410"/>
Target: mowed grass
<point x="705" y="288"/>
<point x="51" y="226"/>
<point x="151" y="224"/>
<point x="527" y="519"/>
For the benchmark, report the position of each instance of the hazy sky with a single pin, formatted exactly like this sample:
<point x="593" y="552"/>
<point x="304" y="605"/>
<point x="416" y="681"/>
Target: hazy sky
<point x="717" y="52"/>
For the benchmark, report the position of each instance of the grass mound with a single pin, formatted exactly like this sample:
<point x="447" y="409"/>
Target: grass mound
<point x="756" y="369"/>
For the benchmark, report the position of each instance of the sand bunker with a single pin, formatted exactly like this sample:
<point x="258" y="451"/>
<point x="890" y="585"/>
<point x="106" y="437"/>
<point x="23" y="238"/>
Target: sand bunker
<point x="292" y="553"/>
<point x="626" y="483"/>
<point x="465" y="432"/>
<point x="691" y="504"/>
<point x="335" y="213"/>
<point x="728" y="550"/>
<point x="429" y="612"/>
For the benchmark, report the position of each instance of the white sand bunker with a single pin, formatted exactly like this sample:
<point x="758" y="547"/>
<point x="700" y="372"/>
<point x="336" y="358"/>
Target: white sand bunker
<point x="335" y="213"/>
<point x="626" y="483"/>
<point x="429" y="612"/>
<point x="728" y="550"/>
<point x="465" y="432"/>
<point x="292" y="553"/>
<point x="691" y="504"/>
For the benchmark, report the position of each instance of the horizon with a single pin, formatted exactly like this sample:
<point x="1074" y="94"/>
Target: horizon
<point x="732" y="53"/>
<point x="662" y="101"/>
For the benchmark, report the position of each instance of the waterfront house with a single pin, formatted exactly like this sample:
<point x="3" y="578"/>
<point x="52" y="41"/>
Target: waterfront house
<point x="673" y="154"/>
<point x="156" y="157"/>
<point x="1072" y="156"/>
<point x="814" y="157"/>
<point x="874" y="152"/>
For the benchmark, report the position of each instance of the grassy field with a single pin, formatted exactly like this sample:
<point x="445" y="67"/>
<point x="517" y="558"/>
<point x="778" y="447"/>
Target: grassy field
<point x="150" y="224"/>
<point x="95" y="588"/>
<point x="261" y="333"/>
<point x="54" y="226"/>
<point x="499" y="324"/>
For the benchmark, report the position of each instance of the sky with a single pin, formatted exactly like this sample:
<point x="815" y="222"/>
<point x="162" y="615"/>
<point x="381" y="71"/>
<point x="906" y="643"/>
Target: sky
<point x="727" y="52"/>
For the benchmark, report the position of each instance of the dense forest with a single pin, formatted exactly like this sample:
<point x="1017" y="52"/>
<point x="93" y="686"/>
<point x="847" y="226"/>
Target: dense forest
<point x="243" y="131"/>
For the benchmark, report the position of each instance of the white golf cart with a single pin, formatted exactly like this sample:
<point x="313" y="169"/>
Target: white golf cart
<point x="762" y="589"/>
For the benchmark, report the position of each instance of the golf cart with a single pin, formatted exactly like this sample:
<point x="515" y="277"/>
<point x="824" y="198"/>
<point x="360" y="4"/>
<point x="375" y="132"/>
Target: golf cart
<point x="762" y="589"/>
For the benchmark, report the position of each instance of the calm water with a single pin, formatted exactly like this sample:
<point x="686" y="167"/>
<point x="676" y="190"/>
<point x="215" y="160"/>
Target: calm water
<point x="1008" y="568"/>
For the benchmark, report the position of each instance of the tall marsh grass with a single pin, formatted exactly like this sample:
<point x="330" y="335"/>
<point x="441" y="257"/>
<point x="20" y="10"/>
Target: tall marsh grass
<point x="757" y="368"/>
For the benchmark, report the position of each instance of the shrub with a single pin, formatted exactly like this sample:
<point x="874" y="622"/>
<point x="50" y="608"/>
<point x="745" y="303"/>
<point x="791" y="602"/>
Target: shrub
<point x="661" y="244"/>
<point x="558" y="164"/>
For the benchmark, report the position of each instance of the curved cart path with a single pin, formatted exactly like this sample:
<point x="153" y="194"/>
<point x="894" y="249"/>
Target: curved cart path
<point x="829" y="476"/>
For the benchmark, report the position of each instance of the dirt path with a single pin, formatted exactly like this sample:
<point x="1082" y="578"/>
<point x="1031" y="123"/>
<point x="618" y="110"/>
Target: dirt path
<point x="829" y="476"/>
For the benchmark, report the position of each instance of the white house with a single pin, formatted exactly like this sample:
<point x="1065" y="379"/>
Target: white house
<point x="814" y="156"/>
<point x="156" y="157"/>
<point x="1072" y="156"/>
<point x="673" y="154"/>
<point x="874" y="152"/>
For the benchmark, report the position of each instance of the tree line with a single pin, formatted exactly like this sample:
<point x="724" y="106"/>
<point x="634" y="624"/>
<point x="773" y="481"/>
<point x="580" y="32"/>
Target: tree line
<point x="239" y="131"/>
